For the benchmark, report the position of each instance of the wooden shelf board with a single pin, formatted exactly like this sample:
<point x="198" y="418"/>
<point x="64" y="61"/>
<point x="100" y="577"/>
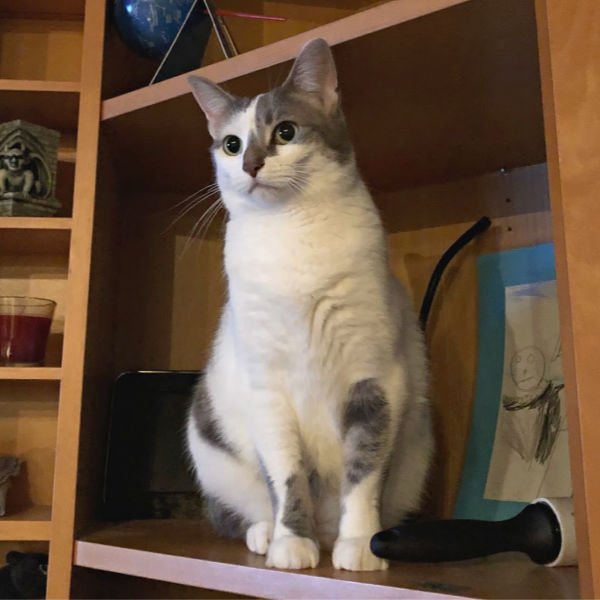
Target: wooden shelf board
<point x="360" y="24"/>
<point x="188" y="553"/>
<point x="25" y="85"/>
<point x="457" y="101"/>
<point x="32" y="524"/>
<point x="47" y="223"/>
<point x="30" y="373"/>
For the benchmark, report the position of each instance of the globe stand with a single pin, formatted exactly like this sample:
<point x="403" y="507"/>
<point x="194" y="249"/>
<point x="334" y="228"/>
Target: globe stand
<point x="187" y="49"/>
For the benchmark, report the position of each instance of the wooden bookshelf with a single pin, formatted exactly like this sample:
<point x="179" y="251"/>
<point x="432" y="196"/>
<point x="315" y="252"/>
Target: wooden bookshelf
<point x="46" y="66"/>
<point x="445" y="105"/>
<point x="459" y="84"/>
<point x="32" y="524"/>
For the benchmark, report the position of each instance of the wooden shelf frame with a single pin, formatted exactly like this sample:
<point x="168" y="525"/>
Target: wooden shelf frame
<point x="31" y="525"/>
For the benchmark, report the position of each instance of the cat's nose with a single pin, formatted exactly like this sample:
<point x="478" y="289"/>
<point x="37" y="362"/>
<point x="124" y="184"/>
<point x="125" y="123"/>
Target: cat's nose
<point x="253" y="166"/>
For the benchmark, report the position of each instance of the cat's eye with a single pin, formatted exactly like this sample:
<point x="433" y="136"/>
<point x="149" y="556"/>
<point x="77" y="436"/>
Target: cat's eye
<point x="232" y="145"/>
<point x="285" y="132"/>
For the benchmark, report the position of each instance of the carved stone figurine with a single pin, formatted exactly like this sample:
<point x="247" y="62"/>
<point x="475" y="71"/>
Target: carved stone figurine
<point x="9" y="467"/>
<point x="28" y="161"/>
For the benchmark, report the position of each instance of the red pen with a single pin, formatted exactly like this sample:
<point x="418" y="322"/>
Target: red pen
<point x="233" y="13"/>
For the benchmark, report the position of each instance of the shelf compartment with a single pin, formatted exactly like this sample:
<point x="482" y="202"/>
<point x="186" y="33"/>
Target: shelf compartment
<point x="28" y="424"/>
<point x="342" y="30"/>
<point x="30" y="373"/>
<point x="31" y="524"/>
<point x="188" y="553"/>
<point x="440" y="96"/>
<point x="32" y="270"/>
<point x="35" y="49"/>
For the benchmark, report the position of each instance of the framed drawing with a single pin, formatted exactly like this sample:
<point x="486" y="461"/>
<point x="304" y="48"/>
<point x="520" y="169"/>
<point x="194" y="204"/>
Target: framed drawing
<point x="518" y="445"/>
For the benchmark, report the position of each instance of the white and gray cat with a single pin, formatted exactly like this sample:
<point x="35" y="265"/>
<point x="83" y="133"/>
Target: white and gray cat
<point x="311" y="426"/>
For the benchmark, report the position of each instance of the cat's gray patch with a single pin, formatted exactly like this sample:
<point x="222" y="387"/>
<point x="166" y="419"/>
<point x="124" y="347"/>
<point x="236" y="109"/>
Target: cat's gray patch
<point x="254" y="155"/>
<point x="207" y="425"/>
<point x="314" y="484"/>
<point x="226" y="521"/>
<point x="296" y="515"/>
<point x="285" y="104"/>
<point x="365" y="428"/>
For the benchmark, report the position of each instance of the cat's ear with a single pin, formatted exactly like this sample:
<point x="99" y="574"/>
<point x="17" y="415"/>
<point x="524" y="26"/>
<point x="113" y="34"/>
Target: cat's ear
<point x="216" y="103"/>
<point x="314" y="73"/>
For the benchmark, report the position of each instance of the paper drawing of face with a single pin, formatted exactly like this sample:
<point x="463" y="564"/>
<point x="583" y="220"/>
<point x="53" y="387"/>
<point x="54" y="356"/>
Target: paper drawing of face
<point x="527" y="368"/>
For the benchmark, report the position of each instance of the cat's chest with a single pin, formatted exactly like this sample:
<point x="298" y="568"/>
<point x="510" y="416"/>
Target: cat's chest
<point x="287" y="261"/>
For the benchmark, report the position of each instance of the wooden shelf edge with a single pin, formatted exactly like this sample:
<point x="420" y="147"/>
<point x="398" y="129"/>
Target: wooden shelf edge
<point x="232" y="578"/>
<point x="33" y="85"/>
<point x="31" y="525"/>
<point x="30" y="373"/>
<point x="337" y="32"/>
<point x="67" y="148"/>
<point x="46" y="223"/>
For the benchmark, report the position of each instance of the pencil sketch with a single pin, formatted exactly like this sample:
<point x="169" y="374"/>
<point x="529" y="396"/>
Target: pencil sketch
<point x="535" y="392"/>
<point x="530" y="454"/>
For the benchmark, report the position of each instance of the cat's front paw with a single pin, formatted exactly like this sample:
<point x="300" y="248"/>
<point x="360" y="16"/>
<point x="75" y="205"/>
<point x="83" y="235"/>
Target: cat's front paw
<point x="258" y="537"/>
<point x="354" y="554"/>
<point x="293" y="552"/>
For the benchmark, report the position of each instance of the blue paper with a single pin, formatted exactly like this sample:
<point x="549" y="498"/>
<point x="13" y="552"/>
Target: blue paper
<point x="495" y="272"/>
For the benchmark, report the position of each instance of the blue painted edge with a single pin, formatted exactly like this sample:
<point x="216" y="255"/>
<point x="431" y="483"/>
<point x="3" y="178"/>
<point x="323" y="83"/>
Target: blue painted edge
<point x="495" y="272"/>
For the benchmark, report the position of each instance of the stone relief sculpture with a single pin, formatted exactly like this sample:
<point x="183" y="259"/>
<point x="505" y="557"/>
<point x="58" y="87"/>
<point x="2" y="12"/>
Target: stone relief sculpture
<point x="28" y="163"/>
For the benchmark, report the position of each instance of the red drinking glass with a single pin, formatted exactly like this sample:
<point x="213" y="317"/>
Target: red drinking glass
<point x="24" y="328"/>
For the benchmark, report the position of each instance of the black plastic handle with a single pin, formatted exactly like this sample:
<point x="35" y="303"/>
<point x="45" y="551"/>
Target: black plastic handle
<point x="534" y="531"/>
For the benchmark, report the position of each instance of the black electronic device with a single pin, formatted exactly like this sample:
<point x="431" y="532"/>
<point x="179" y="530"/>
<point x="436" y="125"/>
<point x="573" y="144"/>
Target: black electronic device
<point x="147" y="472"/>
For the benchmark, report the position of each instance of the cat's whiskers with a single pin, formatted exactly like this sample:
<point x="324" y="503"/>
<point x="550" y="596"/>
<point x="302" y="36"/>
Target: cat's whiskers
<point x="206" y="218"/>
<point x="207" y="188"/>
<point x="209" y="221"/>
<point x="193" y="204"/>
<point x="299" y="182"/>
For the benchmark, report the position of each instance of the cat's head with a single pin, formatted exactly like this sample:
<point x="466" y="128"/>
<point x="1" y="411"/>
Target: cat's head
<point x="286" y="142"/>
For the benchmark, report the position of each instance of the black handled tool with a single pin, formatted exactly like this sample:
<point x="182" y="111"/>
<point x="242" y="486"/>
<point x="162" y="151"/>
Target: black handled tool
<point x="535" y="531"/>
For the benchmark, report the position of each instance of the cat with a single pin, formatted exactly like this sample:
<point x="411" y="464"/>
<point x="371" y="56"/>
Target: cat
<point x="311" y="425"/>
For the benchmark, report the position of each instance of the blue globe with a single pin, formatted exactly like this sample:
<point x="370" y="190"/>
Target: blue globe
<point x="149" y="27"/>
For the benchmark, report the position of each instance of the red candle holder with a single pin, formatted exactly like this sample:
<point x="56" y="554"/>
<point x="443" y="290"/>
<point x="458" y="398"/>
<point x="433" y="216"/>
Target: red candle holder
<point x="24" y="328"/>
